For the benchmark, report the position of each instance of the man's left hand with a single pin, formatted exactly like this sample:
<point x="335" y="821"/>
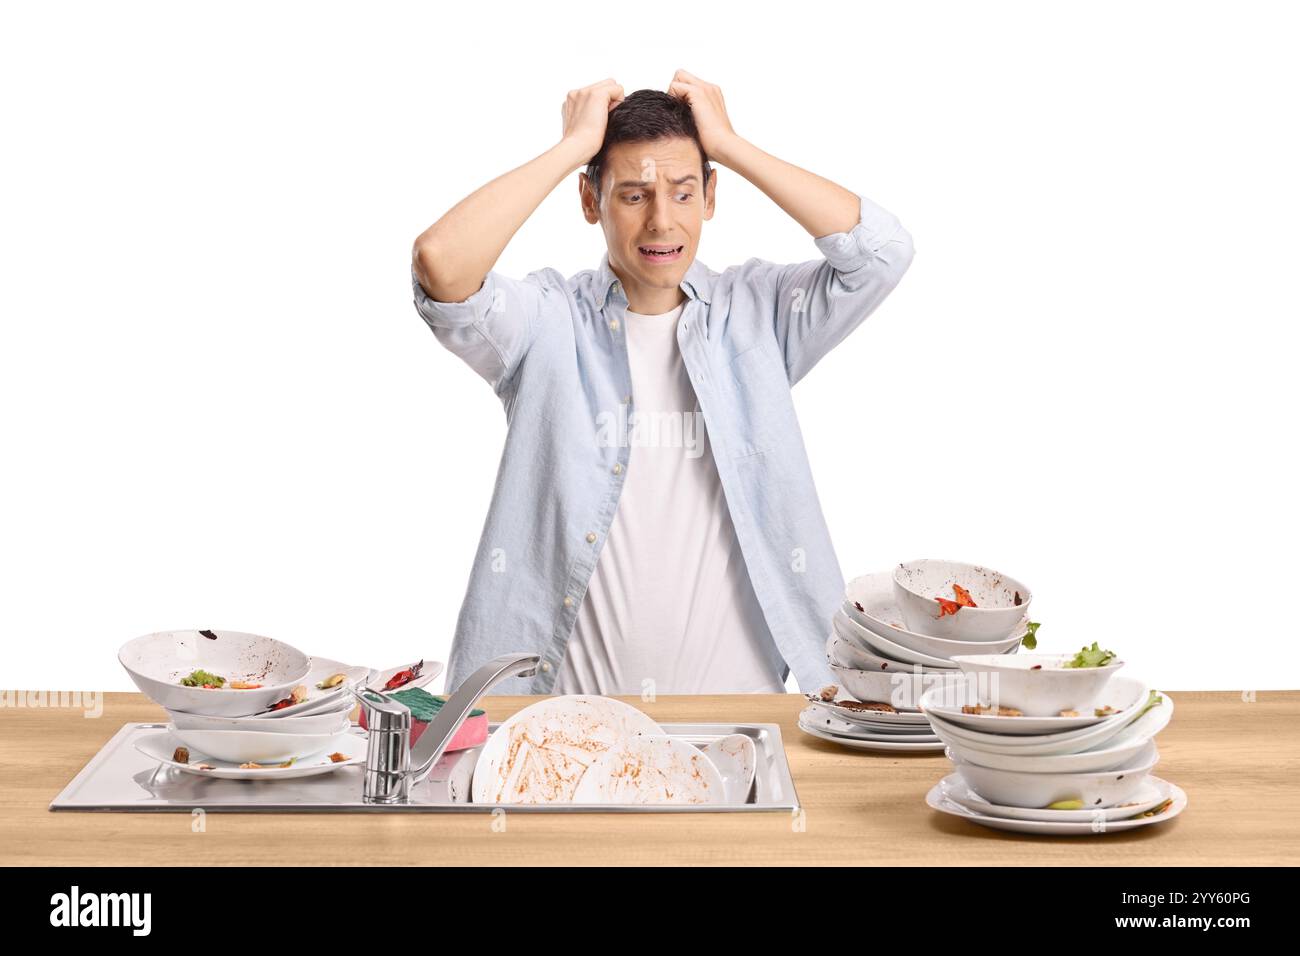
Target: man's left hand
<point x="710" y="111"/>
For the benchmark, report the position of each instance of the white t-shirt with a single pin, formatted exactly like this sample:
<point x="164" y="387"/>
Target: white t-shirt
<point x="670" y="608"/>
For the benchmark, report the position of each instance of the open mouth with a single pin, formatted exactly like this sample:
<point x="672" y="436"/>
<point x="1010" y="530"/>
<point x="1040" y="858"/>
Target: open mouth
<point x="660" y="253"/>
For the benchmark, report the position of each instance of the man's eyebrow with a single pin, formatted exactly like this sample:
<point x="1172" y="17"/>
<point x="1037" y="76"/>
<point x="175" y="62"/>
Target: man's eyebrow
<point x="642" y="183"/>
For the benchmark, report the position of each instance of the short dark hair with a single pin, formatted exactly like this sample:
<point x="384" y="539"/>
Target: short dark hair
<point x="643" y="117"/>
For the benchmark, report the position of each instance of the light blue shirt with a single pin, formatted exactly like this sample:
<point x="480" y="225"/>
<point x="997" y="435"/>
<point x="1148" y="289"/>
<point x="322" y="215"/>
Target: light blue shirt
<point x="554" y="351"/>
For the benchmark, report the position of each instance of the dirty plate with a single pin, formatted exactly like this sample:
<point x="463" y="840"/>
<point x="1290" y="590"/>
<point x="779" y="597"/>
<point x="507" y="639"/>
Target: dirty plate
<point x="875" y="718"/>
<point x="162" y="746"/>
<point x="322" y="700"/>
<point x="936" y="800"/>
<point x="428" y="672"/>
<point x="650" y="768"/>
<point x="809" y="724"/>
<point x="1152" y="793"/>
<point x="540" y="754"/>
<point x="870" y="602"/>
<point x="1124" y="694"/>
<point x="736" y="758"/>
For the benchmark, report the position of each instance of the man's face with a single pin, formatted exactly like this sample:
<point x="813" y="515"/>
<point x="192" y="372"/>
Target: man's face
<point x="652" y="207"/>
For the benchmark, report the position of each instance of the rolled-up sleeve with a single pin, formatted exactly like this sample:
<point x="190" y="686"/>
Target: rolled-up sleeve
<point x="492" y="329"/>
<point x="819" y="302"/>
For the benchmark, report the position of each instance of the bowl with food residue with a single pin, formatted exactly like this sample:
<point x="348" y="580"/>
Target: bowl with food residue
<point x="959" y="601"/>
<point x="214" y="673"/>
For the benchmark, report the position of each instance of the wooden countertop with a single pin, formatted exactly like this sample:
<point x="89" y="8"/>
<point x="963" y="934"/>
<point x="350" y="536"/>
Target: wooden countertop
<point x="1238" y="761"/>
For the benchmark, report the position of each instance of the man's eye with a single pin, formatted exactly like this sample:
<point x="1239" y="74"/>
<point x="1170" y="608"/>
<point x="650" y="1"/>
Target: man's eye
<point x="686" y="196"/>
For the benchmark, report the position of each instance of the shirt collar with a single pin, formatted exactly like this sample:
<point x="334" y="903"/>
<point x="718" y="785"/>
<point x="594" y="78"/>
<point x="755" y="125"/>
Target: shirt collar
<point x="697" y="283"/>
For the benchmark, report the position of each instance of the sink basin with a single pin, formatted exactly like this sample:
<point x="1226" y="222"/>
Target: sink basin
<point x="120" y="778"/>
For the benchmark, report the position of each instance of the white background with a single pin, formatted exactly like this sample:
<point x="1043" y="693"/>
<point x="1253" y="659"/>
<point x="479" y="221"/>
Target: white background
<point x="221" y="409"/>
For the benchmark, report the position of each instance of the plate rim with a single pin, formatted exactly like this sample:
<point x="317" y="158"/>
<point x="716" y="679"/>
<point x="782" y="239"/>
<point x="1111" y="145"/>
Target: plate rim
<point x="1179" y="796"/>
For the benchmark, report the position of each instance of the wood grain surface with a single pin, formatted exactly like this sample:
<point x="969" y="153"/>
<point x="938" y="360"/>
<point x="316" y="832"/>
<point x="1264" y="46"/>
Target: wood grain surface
<point x="1237" y="760"/>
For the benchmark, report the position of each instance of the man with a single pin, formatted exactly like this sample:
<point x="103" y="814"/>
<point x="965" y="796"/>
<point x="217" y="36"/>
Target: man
<point x="654" y="526"/>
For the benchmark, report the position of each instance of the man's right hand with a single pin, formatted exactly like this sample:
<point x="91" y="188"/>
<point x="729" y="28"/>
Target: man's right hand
<point x="586" y="113"/>
<point x="453" y="256"/>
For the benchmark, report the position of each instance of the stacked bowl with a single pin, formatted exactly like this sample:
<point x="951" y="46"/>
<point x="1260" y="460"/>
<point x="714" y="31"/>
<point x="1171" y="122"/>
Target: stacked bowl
<point x="896" y="636"/>
<point x="1050" y="743"/>
<point x="243" y="699"/>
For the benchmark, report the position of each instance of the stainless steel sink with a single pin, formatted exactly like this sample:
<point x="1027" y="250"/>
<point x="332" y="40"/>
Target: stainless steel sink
<point x="121" y="778"/>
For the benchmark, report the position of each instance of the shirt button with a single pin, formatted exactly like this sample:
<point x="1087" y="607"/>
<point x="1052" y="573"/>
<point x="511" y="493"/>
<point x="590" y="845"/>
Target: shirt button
<point x="613" y="325"/>
<point x="627" y="399"/>
<point x="591" y="537"/>
<point x="568" y="601"/>
<point x="618" y="467"/>
<point x="546" y="666"/>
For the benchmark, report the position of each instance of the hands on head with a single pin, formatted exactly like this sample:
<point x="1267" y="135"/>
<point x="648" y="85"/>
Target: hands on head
<point x="586" y="112"/>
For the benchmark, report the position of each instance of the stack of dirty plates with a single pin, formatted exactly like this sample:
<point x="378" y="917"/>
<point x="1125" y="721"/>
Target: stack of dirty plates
<point x="860" y="726"/>
<point x="878" y="659"/>
<point x="247" y="706"/>
<point x="872" y="625"/>
<point x="1043" y="746"/>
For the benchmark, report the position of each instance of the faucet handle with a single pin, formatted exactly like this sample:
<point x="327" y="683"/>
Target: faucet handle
<point x="452" y="714"/>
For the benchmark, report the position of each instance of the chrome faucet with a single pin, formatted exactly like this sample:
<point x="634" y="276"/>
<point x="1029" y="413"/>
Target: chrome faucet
<point x="392" y="764"/>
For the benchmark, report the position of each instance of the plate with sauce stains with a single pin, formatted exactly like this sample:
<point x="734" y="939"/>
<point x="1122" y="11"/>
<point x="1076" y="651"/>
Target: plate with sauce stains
<point x="540" y="754"/>
<point x="651" y="768"/>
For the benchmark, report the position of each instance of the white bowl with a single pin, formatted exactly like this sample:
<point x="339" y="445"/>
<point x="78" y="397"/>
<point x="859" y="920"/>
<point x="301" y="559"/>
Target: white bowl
<point x="1151" y="794"/>
<point x="918" y="583"/>
<point x="333" y="722"/>
<point x="1129" y="693"/>
<point x="1076" y="741"/>
<point x="157" y="662"/>
<point x="941" y="647"/>
<point x="1044" y="691"/>
<point x="855" y="633"/>
<point x="851" y="654"/>
<point x="847" y="654"/>
<point x="879" y="614"/>
<point x="244" y="746"/>
<point x="902" y="689"/>
<point x="949" y="702"/>
<point x="1116" y="753"/>
<point x="1106" y="755"/>
<point x="1096" y="790"/>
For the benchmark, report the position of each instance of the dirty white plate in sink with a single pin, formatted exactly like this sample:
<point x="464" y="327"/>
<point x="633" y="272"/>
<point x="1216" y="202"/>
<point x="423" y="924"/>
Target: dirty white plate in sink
<point x="243" y="746"/>
<point x="309" y="724"/>
<point x="162" y="747"/>
<point x="652" y="769"/>
<point x="736" y="759"/>
<point x="322" y="699"/>
<point x="540" y="753"/>
<point x="428" y="672"/>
